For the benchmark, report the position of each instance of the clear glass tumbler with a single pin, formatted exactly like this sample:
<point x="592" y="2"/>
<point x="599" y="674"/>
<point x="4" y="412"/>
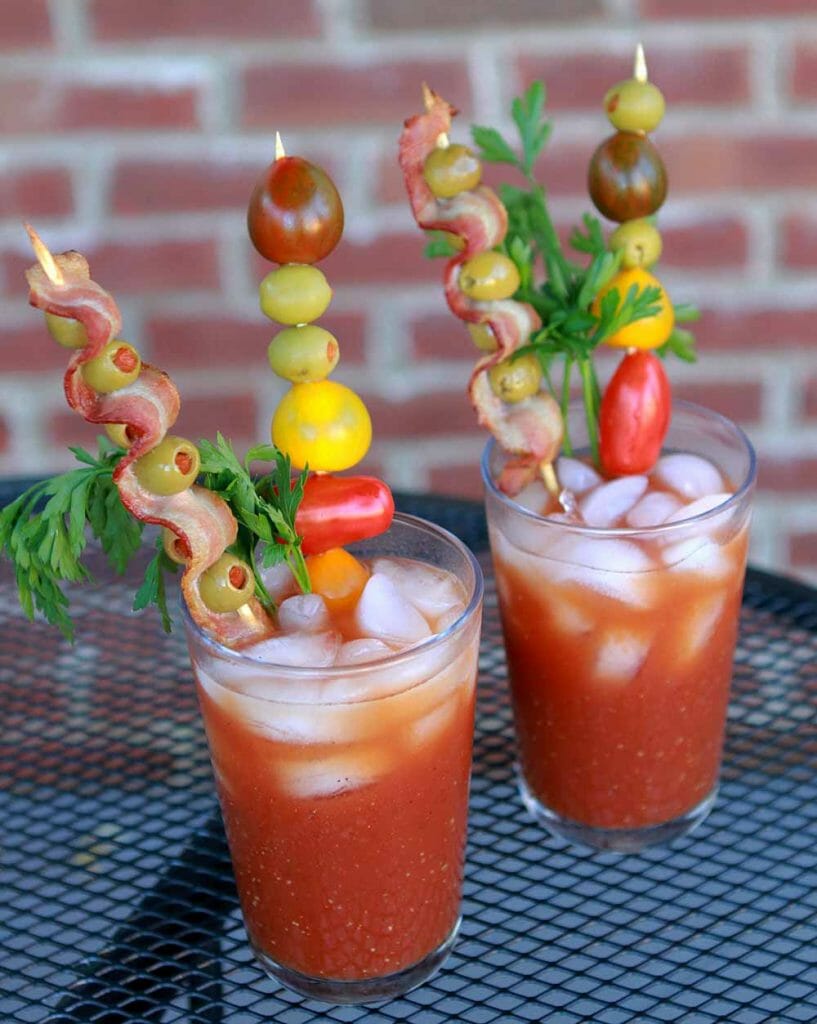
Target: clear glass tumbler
<point x="344" y="793"/>
<point x="620" y="645"/>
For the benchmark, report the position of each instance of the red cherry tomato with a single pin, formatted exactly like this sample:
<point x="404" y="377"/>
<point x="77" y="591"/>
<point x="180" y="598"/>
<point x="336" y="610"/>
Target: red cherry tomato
<point x="295" y="213"/>
<point x="634" y="415"/>
<point x="337" y="510"/>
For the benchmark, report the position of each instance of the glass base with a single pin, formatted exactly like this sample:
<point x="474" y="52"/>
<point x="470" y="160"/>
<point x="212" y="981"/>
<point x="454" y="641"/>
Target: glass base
<point x="617" y="840"/>
<point x="368" y="990"/>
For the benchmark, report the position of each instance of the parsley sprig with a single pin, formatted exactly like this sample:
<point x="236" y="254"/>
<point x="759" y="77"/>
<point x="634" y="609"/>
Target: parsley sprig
<point x="44" y="531"/>
<point x="562" y="288"/>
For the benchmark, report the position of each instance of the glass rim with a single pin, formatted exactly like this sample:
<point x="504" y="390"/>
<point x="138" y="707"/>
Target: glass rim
<point x="359" y="668"/>
<point x="660" y="529"/>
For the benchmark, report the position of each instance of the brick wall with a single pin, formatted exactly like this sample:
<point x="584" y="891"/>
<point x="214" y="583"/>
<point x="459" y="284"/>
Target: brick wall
<point x="134" y="131"/>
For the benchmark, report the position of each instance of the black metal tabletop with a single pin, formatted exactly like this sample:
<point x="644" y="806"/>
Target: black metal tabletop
<point x="118" y="904"/>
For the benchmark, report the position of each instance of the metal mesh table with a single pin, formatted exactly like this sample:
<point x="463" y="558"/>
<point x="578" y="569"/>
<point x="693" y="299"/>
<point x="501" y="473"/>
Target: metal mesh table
<point x="118" y="905"/>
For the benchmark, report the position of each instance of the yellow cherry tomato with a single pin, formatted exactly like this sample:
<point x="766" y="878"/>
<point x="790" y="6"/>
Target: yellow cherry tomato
<point x="651" y="331"/>
<point x="323" y="424"/>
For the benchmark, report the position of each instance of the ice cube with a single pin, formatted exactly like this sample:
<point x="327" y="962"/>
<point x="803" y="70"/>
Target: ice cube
<point x="383" y="612"/>
<point x="620" y="655"/>
<point x="576" y="476"/>
<point x="354" y="652"/>
<point x="696" y="626"/>
<point x="279" y="581"/>
<point x="698" y="507"/>
<point x="533" y="497"/>
<point x="568" y="617"/>
<point x="607" y="503"/>
<point x="430" y="726"/>
<point x="699" y="555"/>
<point x="617" y="568"/>
<point x="688" y="475"/>
<point x="309" y="650"/>
<point x="431" y="590"/>
<point x="303" y="613"/>
<point x="653" y="509"/>
<point x="325" y="776"/>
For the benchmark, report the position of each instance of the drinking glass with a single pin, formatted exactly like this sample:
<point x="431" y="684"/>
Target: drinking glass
<point x="344" y="793"/>
<point x="620" y="645"/>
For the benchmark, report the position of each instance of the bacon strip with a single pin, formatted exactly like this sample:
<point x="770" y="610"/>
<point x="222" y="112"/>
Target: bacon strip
<point x="531" y="429"/>
<point x="148" y="407"/>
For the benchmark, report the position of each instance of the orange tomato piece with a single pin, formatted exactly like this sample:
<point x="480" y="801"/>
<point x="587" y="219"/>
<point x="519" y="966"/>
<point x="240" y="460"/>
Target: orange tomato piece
<point x="338" y="577"/>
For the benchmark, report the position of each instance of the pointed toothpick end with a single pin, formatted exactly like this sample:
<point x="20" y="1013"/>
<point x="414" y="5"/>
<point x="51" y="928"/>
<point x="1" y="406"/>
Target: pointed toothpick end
<point x="44" y="257"/>
<point x="279" y="147"/>
<point x="640" y="64"/>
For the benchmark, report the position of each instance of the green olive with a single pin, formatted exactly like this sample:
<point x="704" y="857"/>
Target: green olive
<point x="302" y="354"/>
<point x="295" y="293"/>
<point x="449" y="170"/>
<point x="170" y="467"/>
<point x="489" y="275"/>
<point x="66" y="331"/>
<point x="483" y="337"/>
<point x="116" y="366"/>
<point x="634" y="106"/>
<point x="176" y="548"/>
<point x="514" y="380"/>
<point x="227" y="584"/>
<point x="639" y="242"/>
<point x="121" y="434"/>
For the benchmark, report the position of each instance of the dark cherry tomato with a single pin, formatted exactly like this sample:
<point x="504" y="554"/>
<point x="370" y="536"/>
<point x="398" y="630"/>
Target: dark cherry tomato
<point x="634" y="415"/>
<point x="627" y="177"/>
<point x="338" y="510"/>
<point x="295" y="213"/>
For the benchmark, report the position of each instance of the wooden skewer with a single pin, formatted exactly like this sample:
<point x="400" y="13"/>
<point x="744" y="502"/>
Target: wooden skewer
<point x="549" y="478"/>
<point x="428" y="97"/>
<point x="279" y="147"/>
<point x="640" y="64"/>
<point x="44" y="257"/>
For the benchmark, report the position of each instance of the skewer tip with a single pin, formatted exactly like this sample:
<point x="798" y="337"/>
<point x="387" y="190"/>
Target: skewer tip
<point x="428" y="97"/>
<point x="279" y="147"/>
<point x="640" y="64"/>
<point x="44" y="257"/>
<point x="549" y="478"/>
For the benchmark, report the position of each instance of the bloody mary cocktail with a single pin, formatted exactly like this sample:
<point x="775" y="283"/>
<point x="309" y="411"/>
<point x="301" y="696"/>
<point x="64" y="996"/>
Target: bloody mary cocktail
<point x="620" y="637"/>
<point x="343" y="781"/>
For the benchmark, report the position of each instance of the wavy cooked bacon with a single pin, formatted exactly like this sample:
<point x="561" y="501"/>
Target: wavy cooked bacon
<point x="148" y="407"/>
<point x="531" y="429"/>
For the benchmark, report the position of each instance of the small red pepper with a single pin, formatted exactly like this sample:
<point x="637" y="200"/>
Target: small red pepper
<point x="338" y="510"/>
<point x="634" y="415"/>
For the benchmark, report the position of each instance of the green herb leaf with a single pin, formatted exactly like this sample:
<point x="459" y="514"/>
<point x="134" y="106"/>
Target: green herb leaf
<point x="681" y="344"/>
<point x="152" y="590"/>
<point x="438" y="245"/>
<point x="492" y="148"/>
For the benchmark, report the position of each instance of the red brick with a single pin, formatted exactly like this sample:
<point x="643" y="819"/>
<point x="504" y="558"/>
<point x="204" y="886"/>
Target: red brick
<point x="810" y="399"/>
<point x="235" y="415"/>
<point x="181" y="342"/>
<point x="756" y="330"/>
<point x="390" y="258"/>
<point x="426" y="415"/>
<point x="145" y="186"/>
<point x="328" y="94"/>
<point x="740" y="401"/>
<point x="24" y="24"/>
<point x="798" y="241"/>
<point x="4" y="435"/>
<point x="29" y="348"/>
<point x="127" y="268"/>
<point x="743" y="9"/>
<point x="238" y="19"/>
<point x="49" y="104"/>
<point x="27" y="192"/>
<point x="722" y="163"/>
<point x="803" y="549"/>
<point x="787" y="475"/>
<point x="424" y="15"/>
<point x="462" y="481"/>
<point x="442" y="337"/>
<point x="699" y="77"/>
<point x="717" y="243"/>
<point x="803" y="72"/>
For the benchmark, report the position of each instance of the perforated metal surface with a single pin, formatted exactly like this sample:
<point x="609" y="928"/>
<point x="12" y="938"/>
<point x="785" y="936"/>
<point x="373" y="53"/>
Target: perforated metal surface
<point x="117" y="902"/>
